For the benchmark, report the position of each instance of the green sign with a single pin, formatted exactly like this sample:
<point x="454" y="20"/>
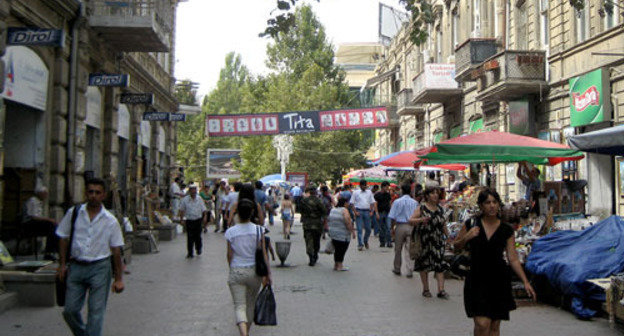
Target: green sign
<point x="411" y="142"/>
<point x="476" y="126"/>
<point x="590" y="98"/>
<point x="455" y="132"/>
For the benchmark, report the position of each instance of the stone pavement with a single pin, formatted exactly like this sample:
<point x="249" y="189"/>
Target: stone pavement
<point x="167" y="294"/>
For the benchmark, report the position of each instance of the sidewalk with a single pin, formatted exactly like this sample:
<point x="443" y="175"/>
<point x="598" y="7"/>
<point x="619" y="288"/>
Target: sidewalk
<point x="167" y="294"/>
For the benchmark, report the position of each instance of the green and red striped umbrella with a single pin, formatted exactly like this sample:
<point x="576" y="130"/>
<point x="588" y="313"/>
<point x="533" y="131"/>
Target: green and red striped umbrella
<point x="499" y="147"/>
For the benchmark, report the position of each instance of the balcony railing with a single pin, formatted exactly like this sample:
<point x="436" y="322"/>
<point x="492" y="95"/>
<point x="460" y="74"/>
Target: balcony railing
<point x="436" y="84"/>
<point x="470" y="54"/>
<point x="511" y="74"/>
<point x="405" y="106"/>
<point x="133" y="25"/>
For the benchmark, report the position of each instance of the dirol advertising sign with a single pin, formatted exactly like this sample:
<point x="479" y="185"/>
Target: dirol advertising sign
<point x="590" y="98"/>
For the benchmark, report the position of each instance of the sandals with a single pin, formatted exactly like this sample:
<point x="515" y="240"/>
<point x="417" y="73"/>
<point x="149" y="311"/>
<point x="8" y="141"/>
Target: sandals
<point x="426" y="293"/>
<point x="443" y="295"/>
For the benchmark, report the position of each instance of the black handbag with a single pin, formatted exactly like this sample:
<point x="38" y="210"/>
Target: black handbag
<point x="61" y="286"/>
<point x="261" y="267"/>
<point x="460" y="265"/>
<point x="265" y="308"/>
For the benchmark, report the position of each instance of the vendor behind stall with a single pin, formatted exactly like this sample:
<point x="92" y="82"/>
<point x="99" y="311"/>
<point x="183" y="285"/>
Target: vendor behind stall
<point x="529" y="175"/>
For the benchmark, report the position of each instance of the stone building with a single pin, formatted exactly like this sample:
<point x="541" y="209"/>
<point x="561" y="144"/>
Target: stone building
<point x="507" y="65"/>
<point x="58" y="128"/>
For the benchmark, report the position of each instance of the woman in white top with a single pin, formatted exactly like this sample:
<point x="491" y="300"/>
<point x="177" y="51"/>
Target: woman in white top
<point x="242" y="241"/>
<point x="287" y="215"/>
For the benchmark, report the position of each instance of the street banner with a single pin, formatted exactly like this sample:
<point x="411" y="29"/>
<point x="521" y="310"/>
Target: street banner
<point x="295" y="122"/>
<point x="590" y="98"/>
<point x="220" y="163"/>
<point x="297" y="178"/>
<point x="116" y="80"/>
<point x="137" y="98"/>
<point x="35" y="37"/>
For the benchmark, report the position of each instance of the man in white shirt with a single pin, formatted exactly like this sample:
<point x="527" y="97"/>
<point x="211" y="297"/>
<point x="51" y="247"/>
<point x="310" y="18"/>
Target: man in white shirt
<point x="431" y="181"/>
<point x="96" y="235"/>
<point x="193" y="214"/>
<point x="36" y="224"/>
<point x="176" y="194"/>
<point x="363" y="205"/>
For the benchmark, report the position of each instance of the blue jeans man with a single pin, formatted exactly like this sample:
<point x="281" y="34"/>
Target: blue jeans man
<point x="384" y="230"/>
<point x="94" y="278"/>
<point x="363" y="221"/>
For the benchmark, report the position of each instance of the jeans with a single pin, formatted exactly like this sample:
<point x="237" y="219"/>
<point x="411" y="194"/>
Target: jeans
<point x="375" y="224"/>
<point x="193" y="236"/>
<point x="94" y="278"/>
<point x="384" y="229"/>
<point x="363" y="219"/>
<point x="270" y="216"/>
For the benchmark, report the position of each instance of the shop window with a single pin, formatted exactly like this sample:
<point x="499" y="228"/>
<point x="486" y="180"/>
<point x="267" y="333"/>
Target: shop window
<point x="93" y="153"/>
<point x="611" y="16"/>
<point x="569" y="170"/>
<point x="455" y="29"/>
<point x="476" y="18"/>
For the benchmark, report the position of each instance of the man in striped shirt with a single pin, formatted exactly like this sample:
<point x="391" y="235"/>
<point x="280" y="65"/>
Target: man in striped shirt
<point x="400" y="213"/>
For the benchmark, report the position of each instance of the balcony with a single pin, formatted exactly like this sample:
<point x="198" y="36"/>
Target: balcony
<point x="405" y="106"/>
<point x="134" y="25"/>
<point x="511" y="74"/>
<point x="436" y="84"/>
<point x="470" y="54"/>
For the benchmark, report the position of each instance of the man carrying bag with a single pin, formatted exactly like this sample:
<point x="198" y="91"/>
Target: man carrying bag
<point x="85" y="264"/>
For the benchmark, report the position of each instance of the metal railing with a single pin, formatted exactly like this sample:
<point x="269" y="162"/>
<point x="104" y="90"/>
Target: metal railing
<point x="160" y="10"/>
<point x="473" y="51"/>
<point x="404" y="99"/>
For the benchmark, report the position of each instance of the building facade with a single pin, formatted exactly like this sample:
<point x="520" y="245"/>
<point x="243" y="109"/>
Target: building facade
<point x="61" y="126"/>
<point x="515" y="66"/>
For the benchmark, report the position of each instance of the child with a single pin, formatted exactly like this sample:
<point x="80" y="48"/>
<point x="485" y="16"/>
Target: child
<point x="268" y="246"/>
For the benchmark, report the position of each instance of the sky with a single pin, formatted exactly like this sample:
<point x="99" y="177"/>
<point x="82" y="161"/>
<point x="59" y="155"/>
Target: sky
<point x="207" y="30"/>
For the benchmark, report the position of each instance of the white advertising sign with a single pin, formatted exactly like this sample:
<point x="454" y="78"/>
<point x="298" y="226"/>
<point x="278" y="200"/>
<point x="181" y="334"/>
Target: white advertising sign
<point x="440" y="76"/>
<point x="94" y="107"/>
<point x="26" y="77"/>
<point x="146" y="133"/>
<point x="123" y="122"/>
<point x="161" y="139"/>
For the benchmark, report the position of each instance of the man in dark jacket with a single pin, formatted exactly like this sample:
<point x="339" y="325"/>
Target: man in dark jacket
<point x="313" y="214"/>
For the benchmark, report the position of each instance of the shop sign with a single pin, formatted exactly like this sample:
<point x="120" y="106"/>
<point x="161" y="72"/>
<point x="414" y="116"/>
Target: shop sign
<point x="521" y="117"/>
<point x="137" y="98"/>
<point x="476" y="126"/>
<point x="297" y="178"/>
<point x="590" y="98"/>
<point x="123" y="122"/>
<point x="156" y="116"/>
<point x="436" y="76"/>
<point x="295" y="122"/>
<point x="221" y="163"/>
<point x="35" y="37"/>
<point x="177" y="117"/>
<point x="26" y="77"/>
<point x="113" y="80"/>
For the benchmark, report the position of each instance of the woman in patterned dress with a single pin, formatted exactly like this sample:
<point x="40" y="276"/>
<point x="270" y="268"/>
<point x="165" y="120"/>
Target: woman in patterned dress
<point x="432" y="231"/>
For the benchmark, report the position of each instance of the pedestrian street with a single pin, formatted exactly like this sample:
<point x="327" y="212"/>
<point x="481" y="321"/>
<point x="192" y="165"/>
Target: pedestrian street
<point x="168" y="295"/>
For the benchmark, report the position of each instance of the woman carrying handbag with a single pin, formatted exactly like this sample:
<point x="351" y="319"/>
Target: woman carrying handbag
<point x="242" y="241"/>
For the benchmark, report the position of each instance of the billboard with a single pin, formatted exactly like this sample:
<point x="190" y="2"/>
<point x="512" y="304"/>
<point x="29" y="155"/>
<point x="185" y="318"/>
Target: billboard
<point x="297" y="178"/>
<point x="590" y="100"/>
<point x="295" y="122"/>
<point x="220" y="163"/>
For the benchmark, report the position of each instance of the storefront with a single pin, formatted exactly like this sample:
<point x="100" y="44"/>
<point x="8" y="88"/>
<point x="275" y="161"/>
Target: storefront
<point x="162" y="157"/>
<point x="123" y="136"/>
<point x="145" y="139"/>
<point x="25" y="98"/>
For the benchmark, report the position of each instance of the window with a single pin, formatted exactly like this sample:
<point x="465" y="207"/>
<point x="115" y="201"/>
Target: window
<point x="438" y="45"/>
<point x="611" y="16"/>
<point x="582" y="27"/>
<point x="476" y="18"/>
<point x="521" y="27"/>
<point x="455" y="29"/>
<point x="544" y="26"/>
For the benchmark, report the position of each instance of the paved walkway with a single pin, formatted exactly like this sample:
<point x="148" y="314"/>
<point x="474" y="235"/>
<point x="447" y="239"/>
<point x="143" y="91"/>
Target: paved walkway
<point x="167" y="295"/>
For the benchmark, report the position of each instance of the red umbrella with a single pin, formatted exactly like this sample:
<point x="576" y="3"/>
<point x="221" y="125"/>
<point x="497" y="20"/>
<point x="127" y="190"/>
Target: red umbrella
<point x="412" y="159"/>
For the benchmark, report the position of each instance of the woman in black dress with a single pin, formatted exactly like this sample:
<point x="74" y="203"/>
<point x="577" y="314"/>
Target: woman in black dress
<point x="430" y="228"/>
<point x="487" y="289"/>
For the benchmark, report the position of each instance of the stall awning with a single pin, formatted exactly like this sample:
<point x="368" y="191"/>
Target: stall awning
<point x="605" y="141"/>
<point x="380" y="77"/>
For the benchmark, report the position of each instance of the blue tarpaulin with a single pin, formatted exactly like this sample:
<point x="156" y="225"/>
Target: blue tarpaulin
<point x="569" y="258"/>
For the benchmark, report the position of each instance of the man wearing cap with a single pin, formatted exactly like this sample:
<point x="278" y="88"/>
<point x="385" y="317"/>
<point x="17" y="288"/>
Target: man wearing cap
<point x="363" y="205"/>
<point x="193" y="214"/>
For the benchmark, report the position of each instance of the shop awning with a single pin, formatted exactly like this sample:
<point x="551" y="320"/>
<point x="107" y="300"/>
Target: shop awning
<point x="410" y="160"/>
<point x="499" y="147"/>
<point x="605" y="141"/>
<point x="380" y="77"/>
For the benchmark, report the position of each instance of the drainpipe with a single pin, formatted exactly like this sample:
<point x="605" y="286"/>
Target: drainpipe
<point x="72" y="105"/>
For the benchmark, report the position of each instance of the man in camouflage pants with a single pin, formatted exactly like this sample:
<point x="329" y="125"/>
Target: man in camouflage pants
<point x="313" y="213"/>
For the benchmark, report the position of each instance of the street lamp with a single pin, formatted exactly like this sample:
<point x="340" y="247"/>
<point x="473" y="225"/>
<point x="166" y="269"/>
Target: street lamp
<point x="284" y="145"/>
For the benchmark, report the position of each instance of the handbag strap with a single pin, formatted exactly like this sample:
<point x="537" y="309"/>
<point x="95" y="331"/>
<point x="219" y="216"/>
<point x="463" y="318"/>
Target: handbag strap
<point x="258" y="246"/>
<point x="74" y="216"/>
